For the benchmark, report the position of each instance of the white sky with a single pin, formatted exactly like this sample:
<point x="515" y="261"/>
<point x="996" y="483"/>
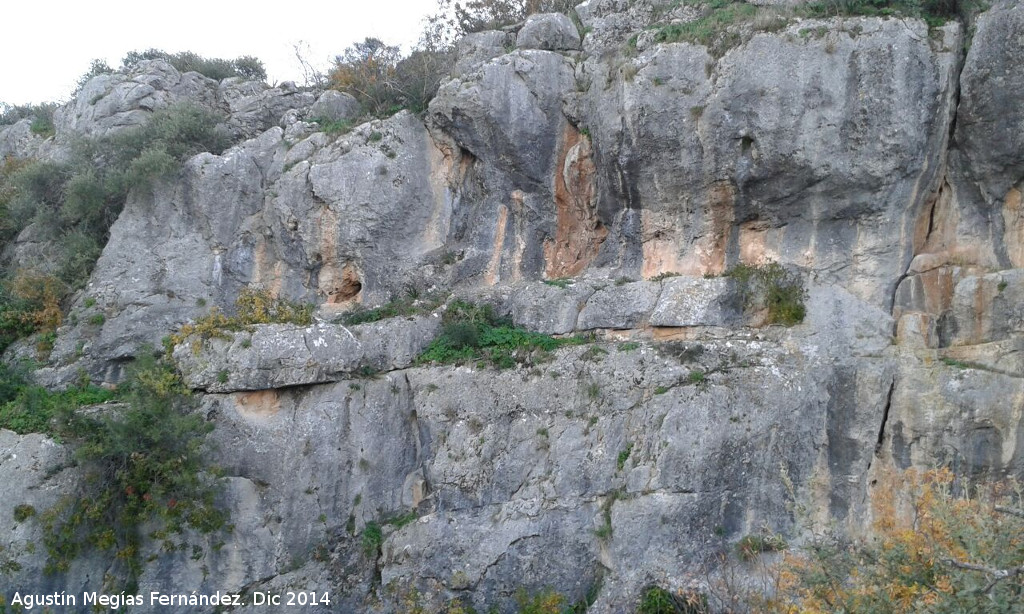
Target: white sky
<point x="47" y="46"/>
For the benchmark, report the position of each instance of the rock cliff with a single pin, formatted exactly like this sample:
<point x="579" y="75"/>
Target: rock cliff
<point x="580" y="178"/>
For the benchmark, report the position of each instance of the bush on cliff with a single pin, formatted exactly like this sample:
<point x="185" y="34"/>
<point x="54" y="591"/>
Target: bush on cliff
<point x="939" y="545"/>
<point x="144" y="467"/>
<point x="384" y="82"/>
<point x="73" y="204"/>
<point x="246" y="67"/>
<point x="473" y="333"/>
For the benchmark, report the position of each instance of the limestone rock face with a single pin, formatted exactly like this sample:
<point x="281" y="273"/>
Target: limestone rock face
<point x="335" y="106"/>
<point x="597" y="188"/>
<point x="550" y="31"/>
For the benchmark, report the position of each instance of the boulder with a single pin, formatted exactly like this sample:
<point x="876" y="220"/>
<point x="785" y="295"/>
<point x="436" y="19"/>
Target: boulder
<point x="549" y="31"/>
<point x="335" y="106"/>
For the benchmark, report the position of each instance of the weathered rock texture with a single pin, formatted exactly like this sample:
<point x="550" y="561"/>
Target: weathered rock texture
<point x="876" y="159"/>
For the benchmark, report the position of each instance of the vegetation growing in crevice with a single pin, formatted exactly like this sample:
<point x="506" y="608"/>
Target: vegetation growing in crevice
<point x="657" y="600"/>
<point x="28" y="408"/>
<point x="29" y="303"/>
<point x="408" y="305"/>
<point x="725" y="24"/>
<point x="750" y="546"/>
<point x="253" y="306"/>
<point x="473" y="333"/>
<point x="143" y="466"/>
<point x="772" y="288"/>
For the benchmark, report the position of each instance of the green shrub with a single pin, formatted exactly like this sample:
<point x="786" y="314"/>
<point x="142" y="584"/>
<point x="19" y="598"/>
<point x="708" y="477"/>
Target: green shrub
<point x="750" y="546"/>
<point x="371" y="539"/>
<point x="42" y="124"/>
<point x="656" y="600"/>
<point x="547" y="601"/>
<point x="144" y="467"/>
<point x="715" y="28"/>
<point x="29" y="303"/>
<point x="408" y="305"/>
<point x="34" y="409"/>
<point x="23" y="512"/>
<point x="771" y="287"/>
<point x="935" y="12"/>
<point x="253" y="306"/>
<point x="96" y="68"/>
<point x="247" y="67"/>
<point x="620" y="462"/>
<point x="328" y="126"/>
<point x="384" y="82"/>
<point x="473" y="333"/>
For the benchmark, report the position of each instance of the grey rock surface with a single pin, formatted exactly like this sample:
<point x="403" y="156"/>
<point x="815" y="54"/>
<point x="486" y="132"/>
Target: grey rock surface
<point x="549" y="31"/>
<point x="618" y="305"/>
<point x="853" y="150"/>
<point x="283" y="355"/>
<point x="335" y="106"/>
<point x="693" y="301"/>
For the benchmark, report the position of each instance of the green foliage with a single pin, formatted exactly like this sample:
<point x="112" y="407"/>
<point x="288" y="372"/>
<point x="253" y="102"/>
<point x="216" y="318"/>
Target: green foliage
<point x="14" y="113"/>
<point x="34" y="409"/>
<point x="96" y="68"/>
<point x="936" y="546"/>
<point x="247" y="67"/>
<point x="547" y="601"/>
<point x="408" y="305"/>
<point x="371" y="539"/>
<point x="384" y="82"/>
<point x="456" y="19"/>
<point x="750" y="546"/>
<point x="624" y="456"/>
<point x="772" y="288"/>
<point x="402" y="520"/>
<point x="724" y="24"/>
<point x="628" y="346"/>
<point x="23" y="512"/>
<point x="656" y="600"/>
<point x="144" y="467"/>
<point x="935" y="12"/>
<point x="253" y="306"/>
<point x="74" y="203"/>
<point x="29" y="303"/>
<point x="696" y="377"/>
<point x="42" y="124"/>
<point x="664" y="276"/>
<point x="474" y="333"/>
<point x="715" y="28"/>
<point x="328" y="126"/>
<point x="561" y="282"/>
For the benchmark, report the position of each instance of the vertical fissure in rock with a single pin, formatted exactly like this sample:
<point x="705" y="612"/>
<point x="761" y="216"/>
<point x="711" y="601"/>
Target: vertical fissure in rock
<point x="885" y="417"/>
<point x="943" y="179"/>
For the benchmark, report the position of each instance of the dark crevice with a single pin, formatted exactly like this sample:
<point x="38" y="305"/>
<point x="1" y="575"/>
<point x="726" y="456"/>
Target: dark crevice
<point x="885" y="417"/>
<point x="943" y="179"/>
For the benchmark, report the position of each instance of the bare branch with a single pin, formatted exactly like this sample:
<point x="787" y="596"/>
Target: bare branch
<point x="1010" y="510"/>
<point x="996" y="574"/>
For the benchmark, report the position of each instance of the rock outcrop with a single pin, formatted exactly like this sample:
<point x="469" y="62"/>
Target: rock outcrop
<point x="597" y="187"/>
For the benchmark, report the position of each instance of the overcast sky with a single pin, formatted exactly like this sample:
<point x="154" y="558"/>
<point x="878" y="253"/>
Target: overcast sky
<point x="46" y="46"/>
